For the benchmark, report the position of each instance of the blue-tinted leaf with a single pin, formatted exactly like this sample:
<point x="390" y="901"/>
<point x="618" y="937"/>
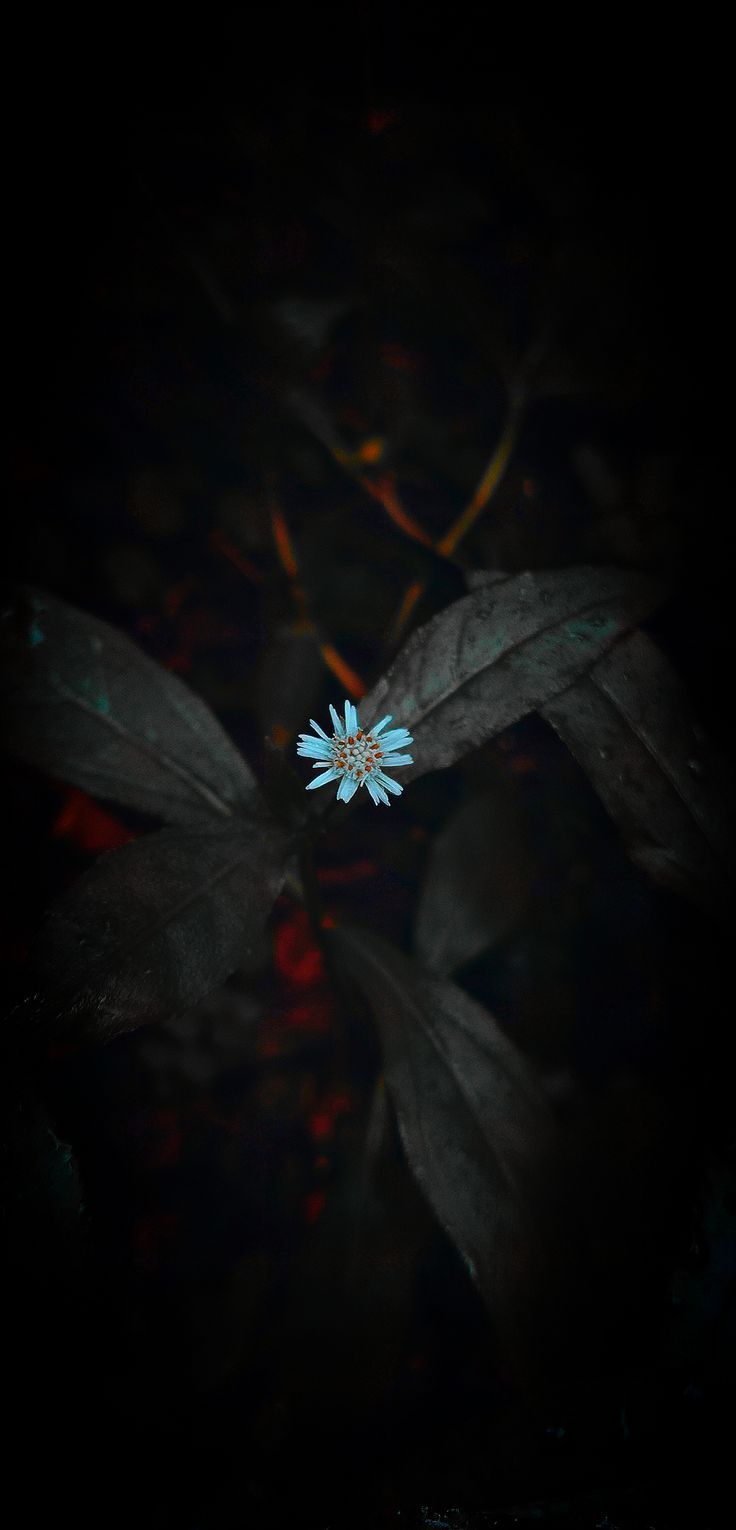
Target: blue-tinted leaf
<point x="501" y="652"/>
<point x="82" y="702"/>
<point x="630" y="725"/>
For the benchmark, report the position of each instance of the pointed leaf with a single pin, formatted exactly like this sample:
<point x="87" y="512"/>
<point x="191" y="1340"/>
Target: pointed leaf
<point x="478" y="882"/>
<point x="477" y="1131"/>
<point x="629" y="724"/>
<point x="152" y="928"/>
<point x="84" y="703"/>
<point x="501" y="652"/>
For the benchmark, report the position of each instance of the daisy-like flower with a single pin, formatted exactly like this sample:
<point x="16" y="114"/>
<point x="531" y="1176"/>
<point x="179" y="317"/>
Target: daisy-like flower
<point x="356" y="757"/>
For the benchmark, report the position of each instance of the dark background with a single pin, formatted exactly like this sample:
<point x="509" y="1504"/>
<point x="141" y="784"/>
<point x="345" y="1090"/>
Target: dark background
<point x="228" y="1333"/>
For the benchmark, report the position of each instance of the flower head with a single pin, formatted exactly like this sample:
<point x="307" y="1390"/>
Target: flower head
<point x="355" y="756"/>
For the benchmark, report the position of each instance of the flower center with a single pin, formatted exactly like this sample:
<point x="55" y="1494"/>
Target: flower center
<point x="358" y="755"/>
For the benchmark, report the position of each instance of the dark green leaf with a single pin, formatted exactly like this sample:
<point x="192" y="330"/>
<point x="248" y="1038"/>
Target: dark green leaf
<point x="630" y="725"/>
<point x="477" y="1130"/>
<point x="82" y="702"/>
<point x="501" y="652"/>
<point x="151" y="929"/>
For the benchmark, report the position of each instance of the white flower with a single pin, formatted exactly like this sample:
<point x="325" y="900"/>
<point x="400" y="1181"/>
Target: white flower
<point x="355" y="757"/>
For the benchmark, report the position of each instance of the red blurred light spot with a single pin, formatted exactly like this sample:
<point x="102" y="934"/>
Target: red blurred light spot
<point x="312" y="1014"/>
<point x="371" y="451"/>
<point x="321" y="1125"/>
<point x="342" y="876"/>
<point x="314" y="1205"/>
<point x="298" y="957"/>
<point x="88" y="825"/>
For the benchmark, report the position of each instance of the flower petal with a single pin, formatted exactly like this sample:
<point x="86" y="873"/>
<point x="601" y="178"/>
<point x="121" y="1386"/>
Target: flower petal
<point x="318" y="730"/>
<point x="390" y="761"/>
<point x="375" y="731"/>
<point x="337" y="722"/>
<point x="312" y="748"/>
<point x="347" y="788"/>
<point x="373" y="789"/>
<point x="389" y="784"/>
<point x="329" y="775"/>
<point x="396" y="738"/>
